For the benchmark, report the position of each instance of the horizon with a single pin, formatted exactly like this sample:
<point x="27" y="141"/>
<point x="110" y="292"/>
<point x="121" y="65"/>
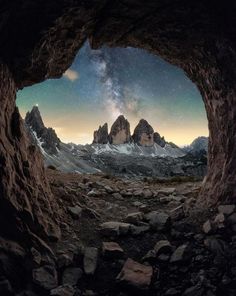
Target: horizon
<point x="101" y="84"/>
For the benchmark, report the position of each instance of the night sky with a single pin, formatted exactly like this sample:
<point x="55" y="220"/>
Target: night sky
<point x="102" y="84"/>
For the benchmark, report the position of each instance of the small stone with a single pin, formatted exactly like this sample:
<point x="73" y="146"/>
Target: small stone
<point x="147" y="193"/>
<point x="219" y="221"/>
<point x="165" y="199"/>
<point x="194" y="291"/>
<point x="135" y="274"/>
<point x="65" y="260"/>
<point x="45" y="277"/>
<point x="75" y="212"/>
<point x="36" y="256"/>
<point x="180" y="254"/>
<point x="226" y="209"/>
<point x="172" y="292"/>
<point x="90" y="260"/>
<point x="64" y="290"/>
<point x="134" y="218"/>
<point x="117" y="196"/>
<point x="112" y="250"/>
<point x="158" y="220"/>
<point x="71" y="276"/>
<point x="162" y="246"/>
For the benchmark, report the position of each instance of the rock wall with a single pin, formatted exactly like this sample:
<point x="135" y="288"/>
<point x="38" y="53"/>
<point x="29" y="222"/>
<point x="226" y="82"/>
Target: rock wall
<point x="26" y="202"/>
<point x="143" y="134"/>
<point x="101" y="135"/>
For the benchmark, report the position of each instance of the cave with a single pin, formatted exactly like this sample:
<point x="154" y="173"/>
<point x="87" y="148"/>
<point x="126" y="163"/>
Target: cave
<point x="40" y="39"/>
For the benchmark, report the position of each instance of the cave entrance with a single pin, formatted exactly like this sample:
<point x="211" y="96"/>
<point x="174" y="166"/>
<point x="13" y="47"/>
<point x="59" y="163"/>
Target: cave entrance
<point x="144" y="105"/>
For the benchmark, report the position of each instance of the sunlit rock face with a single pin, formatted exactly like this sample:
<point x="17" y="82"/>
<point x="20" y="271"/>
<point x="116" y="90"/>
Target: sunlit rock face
<point x="120" y="131"/>
<point x="101" y="135"/>
<point x="143" y="134"/>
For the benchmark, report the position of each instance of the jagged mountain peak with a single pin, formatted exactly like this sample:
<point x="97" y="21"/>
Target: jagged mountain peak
<point x="120" y="131"/>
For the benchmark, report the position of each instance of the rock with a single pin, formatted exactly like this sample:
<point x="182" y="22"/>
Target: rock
<point x="139" y="230"/>
<point x="36" y="256"/>
<point x="162" y="246"/>
<point x="50" y="142"/>
<point x="165" y="199"/>
<point x="226" y="209"/>
<point x="143" y="134"/>
<point x="135" y="275"/>
<point x="134" y="218"/>
<point x="108" y="189"/>
<point x="45" y="277"/>
<point x="71" y="276"/>
<point x="219" y="221"/>
<point x="114" y="228"/>
<point x="94" y="193"/>
<point x="166" y="191"/>
<point x="75" y="212"/>
<point x="208" y="227"/>
<point x="217" y="246"/>
<point x="177" y="213"/>
<point x="194" y="291"/>
<point x="112" y="250"/>
<point x="147" y="193"/>
<point x="90" y="260"/>
<point x="180" y="254"/>
<point x="101" y="135"/>
<point x="65" y="290"/>
<point x="172" y="292"/>
<point x="117" y="196"/>
<point x="65" y="260"/>
<point x="158" y="221"/>
<point x="159" y="140"/>
<point x="120" y="131"/>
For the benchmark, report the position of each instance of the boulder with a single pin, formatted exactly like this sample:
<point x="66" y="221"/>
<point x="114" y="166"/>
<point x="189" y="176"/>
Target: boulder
<point x="112" y="250"/>
<point x="45" y="277"/>
<point x="134" y="218"/>
<point x="177" y="213"/>
<point x="134" y="274"/>
<point x="75" y="212"/>
<point x="113" y="228"/>
<point x="90" y="260"/>
<point x="71" y="275"/>
<point x="158" y="221"/>
<point x="226" y="209"/>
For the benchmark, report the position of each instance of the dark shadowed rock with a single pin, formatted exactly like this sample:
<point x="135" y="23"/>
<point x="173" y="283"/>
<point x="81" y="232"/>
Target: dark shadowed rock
<point x="101" y="135"/>
<point x="45" y="277"/>
<point x="120" y="131"/>
<point x="65" y="290"/>
<point x="90" y="260"/>
<point x="158" y="139"/>
<point x="71" y="275"/>
<point x="143" y="134"/>
<point x="112" y="250"/>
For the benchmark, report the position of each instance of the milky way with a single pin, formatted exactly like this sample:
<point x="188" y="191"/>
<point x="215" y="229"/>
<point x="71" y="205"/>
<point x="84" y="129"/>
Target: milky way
<point x="102" y="84"/>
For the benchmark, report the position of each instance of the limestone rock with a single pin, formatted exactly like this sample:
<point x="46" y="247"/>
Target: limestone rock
<point x="120" y="131"/>
<point x="135" y="274"/>
<point x="143" y="134"/>
<point x="101" y="135"/>
<point x="182" y="253"/>
<point x="90" y="260"/>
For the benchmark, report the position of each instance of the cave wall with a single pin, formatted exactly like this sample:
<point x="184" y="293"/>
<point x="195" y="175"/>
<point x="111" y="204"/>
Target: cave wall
<point x="39" y="40"/>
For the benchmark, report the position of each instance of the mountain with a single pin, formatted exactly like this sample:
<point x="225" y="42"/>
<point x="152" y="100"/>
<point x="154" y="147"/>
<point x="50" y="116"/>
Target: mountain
<point x="198" y="145"/>
<point x="120" y="131"/>
<point x="45" y="137"/>
<point x="143" y="134"/>
<point x="101" y="135"/>
<point x="116" y="153"/>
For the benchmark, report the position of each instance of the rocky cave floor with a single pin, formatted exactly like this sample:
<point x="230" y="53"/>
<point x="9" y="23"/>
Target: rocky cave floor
<point x="131" y="237"/>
